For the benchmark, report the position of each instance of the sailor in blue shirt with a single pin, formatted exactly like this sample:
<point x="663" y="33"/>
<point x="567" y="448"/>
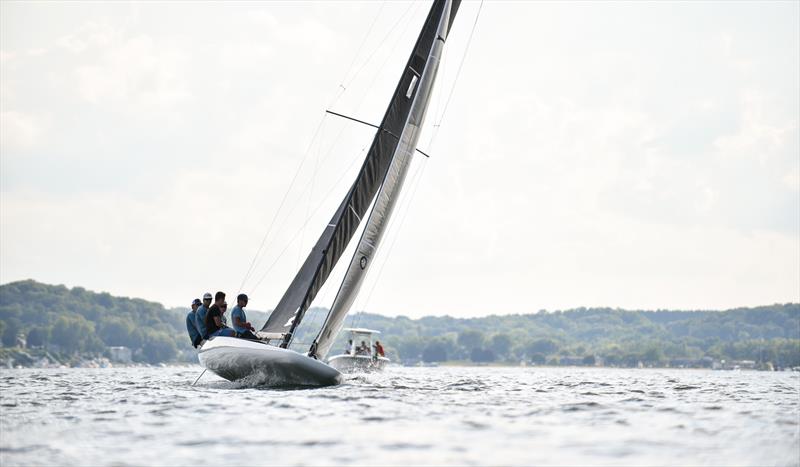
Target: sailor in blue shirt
<point x="200" y="315"/>
<point x="239" y="318"/>
<point x="191" y="324"/>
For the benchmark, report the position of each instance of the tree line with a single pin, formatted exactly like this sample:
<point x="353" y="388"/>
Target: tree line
<point x="77" y="322"/>
<point x="591" y="335"/>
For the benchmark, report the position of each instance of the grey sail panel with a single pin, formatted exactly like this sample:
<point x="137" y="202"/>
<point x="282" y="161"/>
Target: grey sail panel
<point x="388" y="194"/>
<point x="337" y="234"/>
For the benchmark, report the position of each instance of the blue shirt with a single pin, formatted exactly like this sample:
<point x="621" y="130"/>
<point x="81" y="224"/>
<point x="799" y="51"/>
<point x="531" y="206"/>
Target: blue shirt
<point x="238" y="312"/>
<point x="200" y="320"/>
<point x="191" y="326"/>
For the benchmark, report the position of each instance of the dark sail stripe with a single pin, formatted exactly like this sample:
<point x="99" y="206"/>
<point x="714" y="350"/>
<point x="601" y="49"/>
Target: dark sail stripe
<point x="340" y="230"/>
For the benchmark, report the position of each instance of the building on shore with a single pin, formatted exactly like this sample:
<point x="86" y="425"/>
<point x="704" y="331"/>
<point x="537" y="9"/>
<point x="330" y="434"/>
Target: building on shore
<point x="120" y="354"/>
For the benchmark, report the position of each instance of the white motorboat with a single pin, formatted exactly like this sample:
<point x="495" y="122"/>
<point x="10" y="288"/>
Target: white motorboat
<point x="378" y="184"/>
<point x="356" y="358"/>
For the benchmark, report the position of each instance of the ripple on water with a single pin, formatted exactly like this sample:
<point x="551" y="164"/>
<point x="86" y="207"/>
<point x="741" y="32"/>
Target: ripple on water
<point x="685" y="387"/>
<point x="580" y="406"/>
<point x="633" y="399"/>
<point x="406" y="446"/>
<point x="475" y="425"/>
<point x="466" y="385"/>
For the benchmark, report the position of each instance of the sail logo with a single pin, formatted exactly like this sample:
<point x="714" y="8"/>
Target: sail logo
<point x="363" y="262"/>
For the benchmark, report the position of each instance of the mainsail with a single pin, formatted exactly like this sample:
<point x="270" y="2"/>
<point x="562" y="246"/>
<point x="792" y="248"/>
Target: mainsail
<point x="386" y="164"/>
<point x="388" y="195"/>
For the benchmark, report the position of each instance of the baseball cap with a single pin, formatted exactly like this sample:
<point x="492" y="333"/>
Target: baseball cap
<point x="196" y="301"/>
<point x="242" y="296"/>
<point x="207" y="296"/>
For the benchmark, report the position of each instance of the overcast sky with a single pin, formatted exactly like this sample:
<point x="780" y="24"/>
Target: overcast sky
<point x="635" y="154"/>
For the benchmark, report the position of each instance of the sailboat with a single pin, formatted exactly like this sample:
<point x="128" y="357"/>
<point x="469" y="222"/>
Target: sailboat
<point x="377" y="184"/>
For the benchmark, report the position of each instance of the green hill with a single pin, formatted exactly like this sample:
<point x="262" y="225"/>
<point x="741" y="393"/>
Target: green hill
<point x="74" y="323"/>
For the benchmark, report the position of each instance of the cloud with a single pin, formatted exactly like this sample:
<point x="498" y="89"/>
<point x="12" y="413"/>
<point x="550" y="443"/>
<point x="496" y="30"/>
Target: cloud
<point x="757" y="137"/>
<point x="136" y="73"/>
<point x="71" y="43"/>
<point x="18" y="131"/>
<point x="792" y="180"/>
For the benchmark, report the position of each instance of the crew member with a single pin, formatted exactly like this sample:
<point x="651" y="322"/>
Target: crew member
<point x="240" y="325"/>
<point x="200" y="315"/>
<point x="191" y="324"/>
<point x="214" y="323"/>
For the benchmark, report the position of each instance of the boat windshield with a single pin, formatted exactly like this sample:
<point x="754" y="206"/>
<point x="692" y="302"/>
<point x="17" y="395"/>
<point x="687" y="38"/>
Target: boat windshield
<point x="362" y="343"/>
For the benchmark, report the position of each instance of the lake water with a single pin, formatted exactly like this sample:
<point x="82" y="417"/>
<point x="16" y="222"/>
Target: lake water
<point x="445" y="415"/>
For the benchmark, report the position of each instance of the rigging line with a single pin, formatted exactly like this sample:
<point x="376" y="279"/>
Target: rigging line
<point x="294" y="237"/>
<point x="310" y="184"/>
<point x="363" y="41"/>
<point x="335" y="99"/>
<point x="254" y="263"/>
<point x="388" y="56"/>
<point x="379" y="45"/>
<point x="283" y="201"/>
<point x="458" y="73"/>
<point x="310" y="198"/>
<point x="415" y="183"/>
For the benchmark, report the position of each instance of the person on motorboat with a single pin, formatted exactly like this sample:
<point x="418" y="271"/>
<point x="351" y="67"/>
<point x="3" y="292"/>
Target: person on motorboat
<point x="349" y="349"/>
<point x="378" y="349"/>
<point x="200" y="315"/>
<point x="214" y="322"/>
<point x="362" y="349"/>
<point x="243" y="329"/>
<point x="191" y="324"/>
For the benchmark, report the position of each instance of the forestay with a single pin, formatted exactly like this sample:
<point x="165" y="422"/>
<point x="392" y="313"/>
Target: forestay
<point x="386" y="163"/>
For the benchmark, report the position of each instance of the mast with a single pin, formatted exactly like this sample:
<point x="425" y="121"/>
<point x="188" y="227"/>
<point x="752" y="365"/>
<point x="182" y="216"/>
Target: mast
<point x="337" y="234"/>
<point x="390" y="189"/>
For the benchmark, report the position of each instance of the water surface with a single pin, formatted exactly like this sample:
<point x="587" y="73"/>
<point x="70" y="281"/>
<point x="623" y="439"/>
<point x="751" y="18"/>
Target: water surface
<point x="446" y="415"/>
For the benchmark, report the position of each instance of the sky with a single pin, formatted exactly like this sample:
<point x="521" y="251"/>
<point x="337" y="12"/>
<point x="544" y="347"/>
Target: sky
<point x="639" y="155"/>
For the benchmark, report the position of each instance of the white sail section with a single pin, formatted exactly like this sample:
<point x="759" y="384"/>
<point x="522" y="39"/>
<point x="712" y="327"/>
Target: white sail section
<point x="420" y="90"/>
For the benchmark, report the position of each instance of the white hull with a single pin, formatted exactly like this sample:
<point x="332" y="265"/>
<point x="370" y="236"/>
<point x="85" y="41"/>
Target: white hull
<point x="357" y="363"/>
<point x="256" y="362"/>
